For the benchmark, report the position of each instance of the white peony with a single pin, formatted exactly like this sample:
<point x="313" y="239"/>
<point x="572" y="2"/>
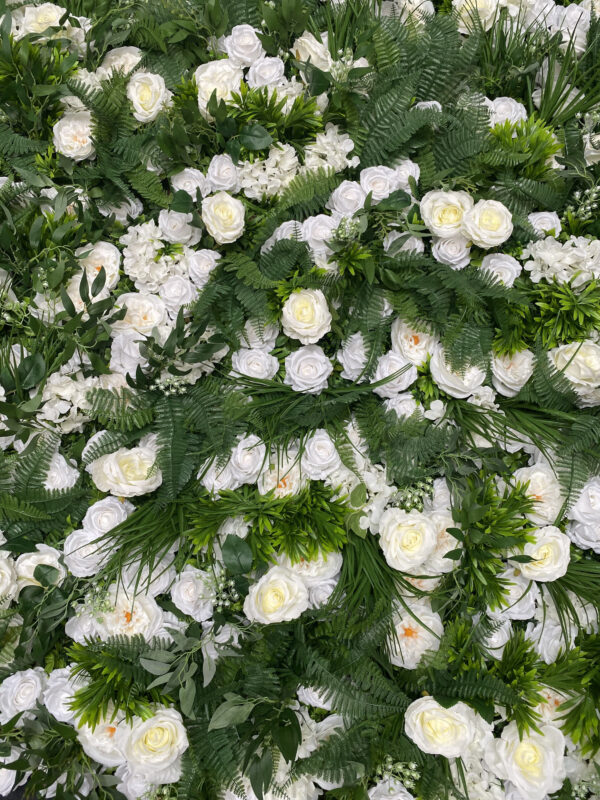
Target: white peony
<point x="443" y="212"/>
<point x="155" y="745"/>
<point x="305" y="316"/>
<point x="282" y="475"/>
<point x="106" y="742"/>
<point x="148" y="95"/>
<point x="487" y="224"/>
<point x="551" y="554"/>
<point x="279" y="596"/>
<point x="414" y="345"/>
<point x="442" y="731"/>
<point x="243" y="46"/>
<point x="389" y="364"/>
<point x="222" y="76"/>
<point x="544" y="488"/>
<point x="194" y="593"/>
<point x="453" y="383"/>
<point x="97" y="256"/>
<point x="417" y="630"/>
<point x="20" y="692"/>
<point x="72" y="136"/>
<point x="407" y="538"/>
<point x="307" y="369"/>
<point x="143" y="313"/>
<point x="511" y="373"/>
<point x="127" y="472"/>
<point x="129" y="615"/>
<point x="504" y="268"/>
<point x="223" y="216"/>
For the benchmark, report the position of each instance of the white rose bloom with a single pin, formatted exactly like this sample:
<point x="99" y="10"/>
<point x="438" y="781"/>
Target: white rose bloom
<point x="475" y="13"/>
<point x="222" y="76"/>
<point x="200" y="265"/>
<point x="194" y="593"/>
<point x="496" y="641"/>
<point x="144" y="312"/>
<point x="506" y="109"/>
<point x="533" y="762"/>
<point x="591" y="150"/>
<point x="191" y="180"/>
<point x="545" y="222"/>
<point x="320" y="457"/>
<point x="37" y="19"/>
<point x="380" y="182"/>
<point x="414" y="345"/>
<point x="388" y="364"/>
<point x="106" y="514"/>
<point x="308" y="48"/>
<point x="408" y="243"/>
<point x="544" y="488"/>
<point x="8" y="777"/>
<point x="282" y="475"/>
<point x="407" y="538"/>
<point x="307" y="369"/>
<point x="121" y="59"/>
<point x="93" y="258"/>
<point x="317" y="231"/>
<point x="130" y="615"/>
<point x="443" y="212"/>
<point x="266" y="71"/>
<point x="247" y="459"/>
<point x="404" y="170"/>
<point x="587" y="508"/>
<point x="417" y="630"/>
<point x="218" y="478"/>
<point x="222" y="174"/>
<point x="154" y="746"/>
<point x="453" y="383"/>
<point x="305" y="316"/>
<point x="83" y="554"/>
<point x="105" y="744"/>
<point x="175" y="227"/>
<point x="176" y="293"/>
<point x="254" y="363"/>
<point x="128" y="209"/>
<point x="504" y="268"/>
<point x="243" y="46"/>
<point x="133" y="784"/>
<point x="519" y="601"/>
<point x="223" y="216"/>
<point x="487" y="224"/>
<point x="72" y="136"/>
<point x="551" y="552"/>
<point x="26" y="564"/>
<point x="347" y="199"/>
<point x="309" y="696"/>
<point x="136" y="578"/>
<point x="442" y="731"/>
<point x="511" y="373"/>
<point x="353" y="357"/>
<point x="403" y="405"/>
<point x="127" y="472"/>
<point x="257" y="336"/>
<point x="125" y="356"/>
<point x="389" y="789"/>
<point x="580" y="363"/>
<point x="148" y="95"/>
<point x="8" y="579"/>
<point x="585" y="536"/>
<point x="454" y="251"/>
<point x="315" y="571"/>
<point x="279" y="596"/>
<point x="20" y="692"/>
<point x="58" y="694"/>
<point x="60" y="475"/>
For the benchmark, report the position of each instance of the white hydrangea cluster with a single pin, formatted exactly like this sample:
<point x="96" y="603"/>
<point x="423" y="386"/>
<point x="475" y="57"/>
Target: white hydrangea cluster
<point x="575" y="261"/>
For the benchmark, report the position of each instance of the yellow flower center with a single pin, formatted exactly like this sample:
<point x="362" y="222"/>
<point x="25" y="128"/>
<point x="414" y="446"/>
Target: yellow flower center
<point x="450" y="215"/>
<point x="272" y="599"/>
<point x="490" y="220"/>
<point x="157" y="738"/>
<point x="529" y="759"/>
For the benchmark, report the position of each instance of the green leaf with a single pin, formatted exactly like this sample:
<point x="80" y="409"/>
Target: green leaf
<point x="154" y="667"/>
<point x="46" y="575"/>
<point x="255" y="137"/>
<point x="237" y="555"/>
<point x="187" y="695"/>
<point x="231" y="712"/>
<point x="31" y="370"/>
<point x="260" y="772"/>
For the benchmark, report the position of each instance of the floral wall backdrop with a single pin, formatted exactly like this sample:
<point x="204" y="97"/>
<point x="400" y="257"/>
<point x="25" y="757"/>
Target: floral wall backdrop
<point x="299" y="400"/>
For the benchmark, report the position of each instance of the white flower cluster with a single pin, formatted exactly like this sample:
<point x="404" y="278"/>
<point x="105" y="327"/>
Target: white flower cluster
<point x="575" y="261"/>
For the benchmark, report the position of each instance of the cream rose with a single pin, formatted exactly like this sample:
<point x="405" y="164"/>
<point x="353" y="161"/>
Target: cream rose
<point x="443" y="212"/>
<point x="551" y="552"/>
<point x="441" y="731"/>
<point x="154" y="746"/>
<point x="305" y="316"/>
<point x="37" y="19"/>
<point x="487" y="224"/>
<point x="223" y="216"/>
<point x="72" y="136"/>
<point x="279" y="596"/>
<point x="127" y="472"/>
<point x="148" y="95"/>
<point x="407" y="538"/>
<point x="511" y="373"/>
<point x="222" y="76"/>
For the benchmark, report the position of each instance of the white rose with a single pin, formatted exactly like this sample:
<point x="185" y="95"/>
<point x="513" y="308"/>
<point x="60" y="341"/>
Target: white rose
<point x="496" y="641"/>
<point x="379" y="182"/>
<point x="505" y="268"/>
<point x="194" y="593"/>
<point x="143" y="312"/>
<point x="121" y="59"/>
<point x="222" y="174"/>
<point x="154" y="746"/>
<point x="453" y="383"/>
<point x="97" y="256"/>
<point x="83" y="554"/>
<point x="473" y="14"/>
<point x="72" y="136"/>
<point x="587" y="508"/>
<point x="125" y="356"/>
<point x="218" y="478"/>
<point x="414" y="345"/>
<point x="175" y="227"/>
<point x="105" y="743"/>
<point x="8" y="578"/>
<point x="511" y="373"/>
<point x="586" y="536"/>
<point x="130" y="615"/>
<point x="545" y="222"/>
<point x="222" y="76"/>
<point x="406" y="244"/>
<point x="533" y="762"/>
<point x="243" y="45"/>
<point x="20" y="692"/>
<point x="279" y="596"/>
<point x="347" y="199"/>
<point x="128" y="209"/>
<point x="148" y="95"/>
<point x="591" y="150"/>
<point x="8" y="777"/>
<point x="441" y="731"/>
<point x="200" y="265"/>
<point x="487" y="224"/>
<point x="388" y="364"/>
<point x="282" y="475"/>
<point x="544" y="488"/>
<point x="223" y="216"/>
<point x="417" y="630"/>
<point x="305" y="316"/>
<point x="247" y="459"/>
<point x="254" y="363"/>
<point x="547" y="639"/>
<point x="407" y="538"/>
<point x="309" y="696"/>
<point x="551" y="552"/>
<point x="191" y="180"/>
<point x="308" y="48"/>
<point x="320" y="457"/>
<point x="453" y="251"/>
<point x="443" y="212"/>
<point x="519" y="599"/>
<point x="133" y="784"/>
<point x="258" y="336"/>
<point x="317" y="231"/>
<point x="403" y="405"/>
<point x="37" y="19"/>
<point x="176" y="293"/>
<point x="26" y="564"/>
<point x="580" y="363"/>
<point x="106" y="514"/>
<point x="267" y="71"/>
<point x="352" y="357"/>
<point x="307" y="369"/>
<point x="406" y="169"/>
<point x="126" y="472"/>
<point x="389" y="789"/>
<point x="134" y="577"/>
<point x="58" y="694"/>
<point x="506" y="109"/>
<point x="315" y="571"/>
